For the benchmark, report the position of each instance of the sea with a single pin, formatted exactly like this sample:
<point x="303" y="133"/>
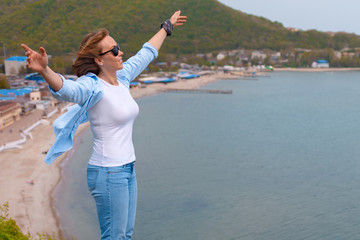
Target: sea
<point x="277" y="159"/>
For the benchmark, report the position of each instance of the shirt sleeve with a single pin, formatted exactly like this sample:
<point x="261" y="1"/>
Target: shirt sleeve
<point x="136" y="64"/>
<point x="73" y="91"/>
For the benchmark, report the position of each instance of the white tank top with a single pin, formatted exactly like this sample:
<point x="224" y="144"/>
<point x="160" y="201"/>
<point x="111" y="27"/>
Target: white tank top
<point x="111" y="122"/>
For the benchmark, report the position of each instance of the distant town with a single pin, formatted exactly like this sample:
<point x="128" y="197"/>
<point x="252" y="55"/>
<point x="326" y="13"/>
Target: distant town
<point x="25" y="100"/>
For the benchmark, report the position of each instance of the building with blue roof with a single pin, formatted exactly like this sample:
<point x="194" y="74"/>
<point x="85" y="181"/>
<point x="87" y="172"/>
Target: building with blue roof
<point x="34" y="77"/>
<point x="15" y="92"/>
<point x="14" y="64"/>
<point x="17" y="58"/>
<point x="320" y="64"/>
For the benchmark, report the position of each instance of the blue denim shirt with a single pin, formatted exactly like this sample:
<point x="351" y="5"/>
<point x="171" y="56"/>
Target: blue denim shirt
<point x="86" y="91"/>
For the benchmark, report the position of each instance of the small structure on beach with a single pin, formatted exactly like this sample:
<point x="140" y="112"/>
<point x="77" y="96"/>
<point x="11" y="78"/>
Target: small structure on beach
<point x="320" y="64"/>
<point x="35" y="96"/>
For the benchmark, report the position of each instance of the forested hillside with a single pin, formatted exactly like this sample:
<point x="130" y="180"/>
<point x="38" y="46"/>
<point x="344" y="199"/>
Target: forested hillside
<point x="59" y="26"/>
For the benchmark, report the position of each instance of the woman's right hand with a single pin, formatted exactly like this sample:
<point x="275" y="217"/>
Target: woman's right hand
<point x="37" y="62"/>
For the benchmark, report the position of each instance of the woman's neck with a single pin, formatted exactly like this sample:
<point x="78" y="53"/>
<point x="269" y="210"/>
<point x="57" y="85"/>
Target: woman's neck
<point x="108" y="77"/>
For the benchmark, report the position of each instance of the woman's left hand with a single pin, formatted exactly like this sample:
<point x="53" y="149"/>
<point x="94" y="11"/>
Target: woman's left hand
<point x="177" y="20"/>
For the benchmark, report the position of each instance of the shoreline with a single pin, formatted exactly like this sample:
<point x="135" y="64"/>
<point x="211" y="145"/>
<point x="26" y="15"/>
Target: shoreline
<point x="315" y="69"/>
<point x="32" y="204"/>
<point x="60" y="164"/>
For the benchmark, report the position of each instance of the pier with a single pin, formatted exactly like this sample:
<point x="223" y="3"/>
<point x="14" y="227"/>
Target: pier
<point x="208" y="91"/>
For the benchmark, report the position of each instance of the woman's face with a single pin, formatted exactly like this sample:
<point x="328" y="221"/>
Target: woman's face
<point x="109" y="61"/>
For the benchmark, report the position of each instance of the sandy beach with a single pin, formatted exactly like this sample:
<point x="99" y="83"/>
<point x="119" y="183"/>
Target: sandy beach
<point x="28" y="183"/>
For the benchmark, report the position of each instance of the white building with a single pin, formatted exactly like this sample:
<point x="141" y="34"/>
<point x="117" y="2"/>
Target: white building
<point x="9" y="113"/>
<point x="258" y="55"/>
<point x="35" y="96"/>
<point x="320" y="64"/>
<point x="275" y="56"/>
<point x="14" y="64"/>
<point x="221" y="56"/>
<point x="337" y="54"/>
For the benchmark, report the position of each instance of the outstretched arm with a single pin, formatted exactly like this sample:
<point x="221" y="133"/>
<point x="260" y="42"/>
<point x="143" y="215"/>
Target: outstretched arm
<point x="64" y="90"/>
<point x="38" y="62"/>
<point x="136" y="64"/>
<point x="158" y="39"/>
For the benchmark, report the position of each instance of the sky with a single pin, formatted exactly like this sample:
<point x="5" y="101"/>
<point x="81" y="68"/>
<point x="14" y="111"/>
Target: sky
<point x="322" y="15"/>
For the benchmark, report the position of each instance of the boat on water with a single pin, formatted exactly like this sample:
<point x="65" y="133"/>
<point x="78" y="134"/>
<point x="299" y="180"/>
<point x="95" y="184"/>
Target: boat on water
<point x="187" y="75"/>
<point x="148" y="80"/>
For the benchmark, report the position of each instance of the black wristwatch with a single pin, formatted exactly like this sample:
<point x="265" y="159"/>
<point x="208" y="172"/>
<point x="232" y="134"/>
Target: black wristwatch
<point x="167" y="26"/>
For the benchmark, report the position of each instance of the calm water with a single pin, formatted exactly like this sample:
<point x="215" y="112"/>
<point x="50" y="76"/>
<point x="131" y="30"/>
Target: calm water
<point x="278" y="159"/>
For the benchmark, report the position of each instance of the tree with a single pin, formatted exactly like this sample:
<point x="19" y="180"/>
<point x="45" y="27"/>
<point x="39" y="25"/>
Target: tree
<point x="255" y="61"/>
<point x="23" y="70"/>
<point x="9" y="230"/>
<point x="4" y="84"/>
<point x="62" y="64"/>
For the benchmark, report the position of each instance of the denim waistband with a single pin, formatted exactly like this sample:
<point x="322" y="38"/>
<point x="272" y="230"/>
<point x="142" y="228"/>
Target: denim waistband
<point x="128" y="165"/>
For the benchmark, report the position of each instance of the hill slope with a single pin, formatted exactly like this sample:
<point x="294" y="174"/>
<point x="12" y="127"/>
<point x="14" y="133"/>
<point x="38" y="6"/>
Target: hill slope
<point x="59" y="26"/>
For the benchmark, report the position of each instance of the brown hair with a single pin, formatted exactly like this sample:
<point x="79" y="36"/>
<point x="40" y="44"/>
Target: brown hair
<point x="89" y="50"/>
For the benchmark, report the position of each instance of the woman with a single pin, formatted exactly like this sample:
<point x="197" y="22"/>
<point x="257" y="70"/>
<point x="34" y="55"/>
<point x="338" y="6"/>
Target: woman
<point x="103" y="98"/>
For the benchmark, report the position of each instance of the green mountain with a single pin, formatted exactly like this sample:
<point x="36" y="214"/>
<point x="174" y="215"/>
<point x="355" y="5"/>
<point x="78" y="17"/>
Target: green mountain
<point x="59" y="26"/>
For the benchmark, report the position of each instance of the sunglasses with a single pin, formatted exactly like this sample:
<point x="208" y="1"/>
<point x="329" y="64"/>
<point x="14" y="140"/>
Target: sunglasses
<point x="115" y="51"/>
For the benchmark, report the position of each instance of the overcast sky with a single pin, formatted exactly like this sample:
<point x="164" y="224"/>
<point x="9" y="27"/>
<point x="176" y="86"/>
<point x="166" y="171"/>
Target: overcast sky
<point x="322" y="15"/>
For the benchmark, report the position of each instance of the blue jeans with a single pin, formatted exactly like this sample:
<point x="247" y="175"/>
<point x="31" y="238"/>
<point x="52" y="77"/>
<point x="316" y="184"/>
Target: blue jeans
<point x="115" y="192"/>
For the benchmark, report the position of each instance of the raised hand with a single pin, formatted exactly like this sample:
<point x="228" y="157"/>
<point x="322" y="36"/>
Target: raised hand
<point x="177" y="20"/>
<point x="36" y="61"/>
